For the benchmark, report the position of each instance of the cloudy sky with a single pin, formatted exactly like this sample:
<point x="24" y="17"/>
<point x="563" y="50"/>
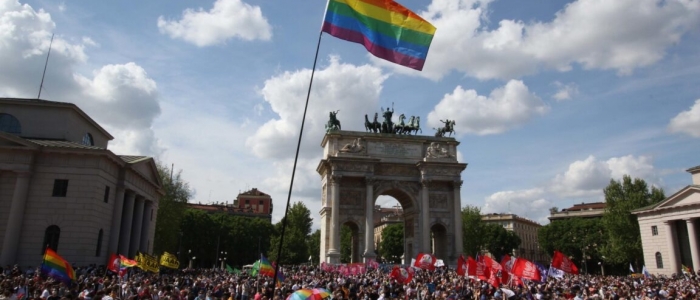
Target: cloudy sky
<point x="551" y="99"/>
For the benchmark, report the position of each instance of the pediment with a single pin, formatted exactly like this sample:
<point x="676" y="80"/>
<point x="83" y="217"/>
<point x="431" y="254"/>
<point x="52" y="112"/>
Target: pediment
<point x="687" y="196"/>
<point x="147" y="168"/>
<point x="13" y="141"/>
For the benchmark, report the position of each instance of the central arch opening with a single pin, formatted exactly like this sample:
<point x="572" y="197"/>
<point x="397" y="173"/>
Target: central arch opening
<point x="389" y="230"/>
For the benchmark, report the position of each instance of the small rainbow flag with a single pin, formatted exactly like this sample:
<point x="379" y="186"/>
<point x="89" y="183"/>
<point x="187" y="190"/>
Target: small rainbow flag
<point x="386" y="29"/>
<point x="56" y="267"/>
<point x="266" y="268"/>
<point x="127" y="263"/>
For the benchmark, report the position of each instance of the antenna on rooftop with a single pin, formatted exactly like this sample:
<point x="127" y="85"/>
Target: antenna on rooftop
<point x="41" y="85"/>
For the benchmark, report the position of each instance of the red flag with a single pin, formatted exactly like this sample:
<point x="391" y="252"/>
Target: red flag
<point x="561" y="262"/>
<point x="462" y="266"/>
<point x="425" y="261"/>
<point x="507" y="265"/>
<point x="494" y="278"/>
<point x="401" y="275"/>
<point x="526" y="269"/>
<point x="113" y="264"/>
<point x="471" y="266"/>
<point x="482" y="272"/>
<point x="490" y="263"/>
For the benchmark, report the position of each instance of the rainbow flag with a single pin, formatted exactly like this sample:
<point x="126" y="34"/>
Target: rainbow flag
<point x="127" y="263"/>
<point x="265" y="268"/>
<point x="56" y="267"/>
<point x="386" y="29"/>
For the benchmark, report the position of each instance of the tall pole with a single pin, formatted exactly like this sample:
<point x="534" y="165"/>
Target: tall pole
<point x="296" y="154"/>
<point x="41" y="85"/>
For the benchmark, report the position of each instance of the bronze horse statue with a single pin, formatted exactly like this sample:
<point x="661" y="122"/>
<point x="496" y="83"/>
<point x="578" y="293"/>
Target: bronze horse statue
<point x="374" y="126"/>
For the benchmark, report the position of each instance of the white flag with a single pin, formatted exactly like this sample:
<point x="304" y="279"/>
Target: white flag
<point x="631" y="268"/>
<point x="556" y="273"/>
<point x="645" y="272"/>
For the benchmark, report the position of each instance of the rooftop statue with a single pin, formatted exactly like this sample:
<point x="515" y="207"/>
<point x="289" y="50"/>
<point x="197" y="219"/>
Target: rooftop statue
<point x="333" y="123"/>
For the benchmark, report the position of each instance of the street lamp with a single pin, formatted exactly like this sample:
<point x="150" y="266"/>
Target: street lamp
<point x="223" y="258"/>
<point x="602" y="267"/>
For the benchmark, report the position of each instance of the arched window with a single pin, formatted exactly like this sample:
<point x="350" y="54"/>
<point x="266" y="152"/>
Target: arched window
<point x="10" y="124"/>
<point x="87" y="140"/>
<point x="99" y="243"/>
<point x="659" y="261"/>
<point x="51" y="236"/>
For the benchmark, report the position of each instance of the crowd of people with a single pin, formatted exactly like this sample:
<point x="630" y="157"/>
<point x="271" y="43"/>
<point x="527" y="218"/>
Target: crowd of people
<point x="96" y="283"/>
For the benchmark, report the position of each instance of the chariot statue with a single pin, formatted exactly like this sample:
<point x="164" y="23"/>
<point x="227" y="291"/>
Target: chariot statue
<point x="333" y="123"/>
<point x="448" y="128"/>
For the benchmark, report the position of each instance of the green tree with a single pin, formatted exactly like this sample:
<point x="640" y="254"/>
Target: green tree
<point x="499" y="241"/>
<point x="624" y="243"/>
<point x="295" y="248"/>
<point x="472" y="230"/>
<point x="391" y="245"/>
<point x="315" y="246"/>
<point x="345" y="244"/>
<point x="580" y="238"/>
<point x="171" y="209"/>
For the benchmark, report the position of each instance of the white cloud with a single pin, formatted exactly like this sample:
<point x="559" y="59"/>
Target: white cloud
<point x="505" y="108"/>
<point x="565" y="91"/>
<point x="225" y="20"/>
<point x="688" y="121"/>
<point x="584" y="180"/>
<point x="120" y="97"/>
<point x="617" y="35"/>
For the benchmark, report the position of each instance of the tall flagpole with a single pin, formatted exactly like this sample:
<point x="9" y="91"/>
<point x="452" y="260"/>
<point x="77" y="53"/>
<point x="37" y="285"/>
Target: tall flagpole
<point x="45" y="64"/>
<point x="296" y="155"/>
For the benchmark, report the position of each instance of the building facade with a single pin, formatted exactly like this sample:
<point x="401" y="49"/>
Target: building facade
<point x="525" y="229"/>
<point x="583" y="210"/>
<point x="670" y="229"/>
<point x="60" y="187"/>
<point x="252" y="203"/>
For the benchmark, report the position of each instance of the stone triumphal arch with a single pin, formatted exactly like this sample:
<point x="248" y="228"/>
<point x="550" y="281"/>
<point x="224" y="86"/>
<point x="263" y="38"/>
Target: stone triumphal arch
<point x="421" y="172"/>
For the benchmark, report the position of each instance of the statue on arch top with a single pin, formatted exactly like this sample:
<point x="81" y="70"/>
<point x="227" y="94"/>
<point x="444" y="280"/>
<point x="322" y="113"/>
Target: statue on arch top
<point x="333" y="122"/>
<point x="388" y="125"/>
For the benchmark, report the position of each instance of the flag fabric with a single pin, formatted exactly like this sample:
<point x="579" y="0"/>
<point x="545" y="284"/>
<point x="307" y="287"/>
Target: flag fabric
<point x="263" y="267"/>
<point x="255" y="269"/>
<point x="561" y="262"/>
<point x="148" y="263"/>
<point x="386" y="29"/>
<point x="127" y="263"/>
<point x="685" y="270"/>
<point x="280" y="278"/>
<point x="631" y="268"/>
<point x="372" y="263"/>
<point x="169" y="261"/>
<point x="56" y="267"/>
<point x="114" y="263"/>
<point x="645" y="271"/>
<point x="462" y="266"/>
<point x="471" y="266"/>
<point x="424" y="261"/>
<point x="554" y="272"/>
<point x="524" y="268"/>
<point x="401" y="274"/>
<point x="544" y="272"/>
<point x="491" y="263"/>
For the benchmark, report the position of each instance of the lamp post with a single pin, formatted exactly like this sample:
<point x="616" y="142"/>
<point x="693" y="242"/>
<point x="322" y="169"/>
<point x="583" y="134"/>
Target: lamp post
<point x="602" y="267"/>
<point x="223" y="259"/>
<point x="189" y="258"/>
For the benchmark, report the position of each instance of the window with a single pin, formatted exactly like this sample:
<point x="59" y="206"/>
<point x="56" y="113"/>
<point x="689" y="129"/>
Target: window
<point x="106" y="198"/>
<point x="51" y="236"/>
<point x="99" y="243"/>
<point x="654" y="230"/>
<point x="262" y="202"/>
<point x="10" y="124"/>
<point x="87" y="140"/>
<point x="60" y="188"/>
<point x="659" y="261"/>
<point x="247" y="201"/>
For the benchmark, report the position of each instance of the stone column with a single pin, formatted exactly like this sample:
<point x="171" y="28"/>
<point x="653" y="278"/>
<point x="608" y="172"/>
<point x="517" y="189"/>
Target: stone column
<point x="127" y="219"/>
<point x="116" y="220"/>
<point x="425" y="216"/>
<point x="14" y="222"/>
<point x="145" y="226"/>
<point x="369" y="220"/>
<point x="672" y="247"/>
<point x="457" y="186"/>
<point x="134" y="245"/>
<point x="334" y="250"/>
<point x="693" y="239"/>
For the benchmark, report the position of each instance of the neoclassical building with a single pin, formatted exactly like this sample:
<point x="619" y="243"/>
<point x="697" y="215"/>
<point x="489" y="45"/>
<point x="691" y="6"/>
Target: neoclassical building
<point x="670" y="229"/>
<point x="61" y="187"/>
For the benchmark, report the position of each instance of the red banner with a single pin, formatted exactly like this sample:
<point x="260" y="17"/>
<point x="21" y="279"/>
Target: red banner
<point x="561" y="262"/>
<point x="524" y="268"/>
<point x="401" y="274"/>
<point x="425" y="261"/>
<point x="462" y="266"/>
